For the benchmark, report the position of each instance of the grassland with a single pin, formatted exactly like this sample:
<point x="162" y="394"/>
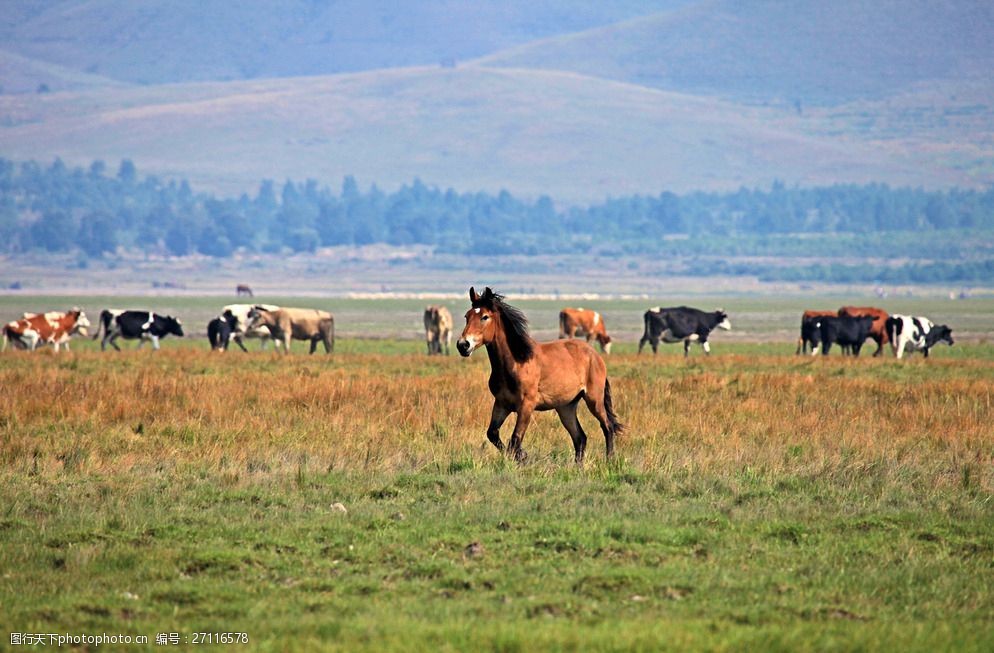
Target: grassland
<point x="760" y="501"/>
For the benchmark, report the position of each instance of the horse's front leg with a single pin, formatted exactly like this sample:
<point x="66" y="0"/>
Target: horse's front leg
<point x="497" y="417"/>
<point x="520" y="426"/>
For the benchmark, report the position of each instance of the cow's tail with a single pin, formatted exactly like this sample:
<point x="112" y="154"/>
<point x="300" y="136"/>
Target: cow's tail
<point x="645" y="331"/>
<point x="103" y="323"/>
<point x="617" y="428"/>
<point x="6" y="336"/>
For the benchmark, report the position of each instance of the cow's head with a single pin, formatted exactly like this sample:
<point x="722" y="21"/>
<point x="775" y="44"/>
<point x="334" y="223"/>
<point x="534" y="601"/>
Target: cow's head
<point x="605" y="342"/>
<point x="941" y="333"/>
<point x="171" y="325"/>
<point x="723" y="322"/>
<point x="256" y="317"/>
<point x="82" y="323"/>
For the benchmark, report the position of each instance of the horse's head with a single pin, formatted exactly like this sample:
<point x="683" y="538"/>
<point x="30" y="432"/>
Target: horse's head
<point x="481" y="322"/>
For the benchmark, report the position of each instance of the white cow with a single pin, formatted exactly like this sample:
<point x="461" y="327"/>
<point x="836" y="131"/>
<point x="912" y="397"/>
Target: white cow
<point x="915" y="333"/>
<point x="240" y="322"/>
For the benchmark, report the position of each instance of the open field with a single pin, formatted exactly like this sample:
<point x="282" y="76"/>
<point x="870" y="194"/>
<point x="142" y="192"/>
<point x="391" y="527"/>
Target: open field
<point x="759" y="501"/>
<point x="756" y="318"/>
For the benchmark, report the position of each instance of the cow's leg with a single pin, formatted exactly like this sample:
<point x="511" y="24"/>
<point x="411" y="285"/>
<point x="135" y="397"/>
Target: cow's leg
<point x="925" y="351"/>
<point x="448" y="341"/>
<point x="314" y="345"/>
<point x="497" y="417"/>
<point x="642" y="342"/>
<point x="567" y="415"/>
<point x="706" y="346"/>
<point x="880" y="346"/>
<point x="686" y="347"/>
<point x="112" y="340"/>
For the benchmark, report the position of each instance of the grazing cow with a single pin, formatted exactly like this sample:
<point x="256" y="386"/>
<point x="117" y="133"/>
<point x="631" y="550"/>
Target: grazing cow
<point x="237" y="316"/>
<point x="878" y="332"/>
<point x="844" y="330"/>
<point x="438" y="329"/>
<point x="298" y="324"/>
<point x="681" y="323"/>
<point x="140" y="325"/>
<point x="575" y="322"/>
<point x="810" y="333"/>
<point x="53" y="328"/>
<point x="243" y="289"/>
<point x="219" y="332"/>
<point x="916" y="333"/>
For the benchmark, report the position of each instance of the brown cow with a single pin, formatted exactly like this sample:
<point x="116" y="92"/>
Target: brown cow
<point x="809" y="332"/>
<point x="52" y="328"/>
<point x="438" y="329"/>
<point x="575" y="322"/>
<point x="878" y="331"/>
<point x="296" y="323"/>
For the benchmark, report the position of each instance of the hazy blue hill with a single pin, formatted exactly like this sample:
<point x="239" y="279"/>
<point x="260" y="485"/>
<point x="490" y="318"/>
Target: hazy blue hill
<point x="761" y="50"/>
<point x="22" y="75"/>
<point x="155" y="41"/>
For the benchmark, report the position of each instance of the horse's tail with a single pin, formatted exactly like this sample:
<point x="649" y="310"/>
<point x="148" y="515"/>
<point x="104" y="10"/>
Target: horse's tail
<point x="617" y="428"/>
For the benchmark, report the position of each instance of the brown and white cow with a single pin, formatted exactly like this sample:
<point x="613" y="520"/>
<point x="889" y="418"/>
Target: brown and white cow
<point x="53" y="328"/>
<point x="296" y="323"/>
<point x="574" y="322"/>
<point x="878" y="331"/>
<point x="438" y="329"/>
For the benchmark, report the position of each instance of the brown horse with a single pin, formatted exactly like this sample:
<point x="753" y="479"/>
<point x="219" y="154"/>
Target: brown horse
<point x="526" y="376"/>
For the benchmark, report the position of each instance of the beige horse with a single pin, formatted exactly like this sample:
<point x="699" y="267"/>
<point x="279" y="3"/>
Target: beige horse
<point x="295" y="323"/>
<point x="526" y="376"/>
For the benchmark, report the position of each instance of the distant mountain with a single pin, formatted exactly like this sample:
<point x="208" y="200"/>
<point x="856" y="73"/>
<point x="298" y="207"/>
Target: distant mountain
<point x="575" y="138"/>
<point x="577" y="99"/>
<point x="22" y="75"/>
<point x="156" y="41"/>
<point x="766" y="50"/>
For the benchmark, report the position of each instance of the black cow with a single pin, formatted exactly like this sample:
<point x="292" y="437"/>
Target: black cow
<point x="681" y="323"/>
<point x="219" y="331"/>
<point x="846" y="331"/>
<point x="143" y="325"/>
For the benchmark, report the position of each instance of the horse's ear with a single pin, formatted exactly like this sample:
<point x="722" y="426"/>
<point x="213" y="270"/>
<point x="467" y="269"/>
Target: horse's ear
<point x="488" y="294"/>
<point x="473" y="297"/>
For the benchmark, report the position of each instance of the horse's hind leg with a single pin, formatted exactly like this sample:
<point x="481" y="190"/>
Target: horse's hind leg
<point x="567" y="415"/>
<point x="598" y="409"/>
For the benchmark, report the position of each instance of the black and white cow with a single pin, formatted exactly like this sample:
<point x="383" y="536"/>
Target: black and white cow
<point x="846" y="331"/>
<point x="916" y="333"/>
<point x="219" y="332"/>
<point x="142" y="325"/>
<point x="681" y="323"/>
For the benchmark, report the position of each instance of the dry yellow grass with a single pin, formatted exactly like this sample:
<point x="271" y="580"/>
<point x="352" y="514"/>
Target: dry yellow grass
<point x="929" y="421"/>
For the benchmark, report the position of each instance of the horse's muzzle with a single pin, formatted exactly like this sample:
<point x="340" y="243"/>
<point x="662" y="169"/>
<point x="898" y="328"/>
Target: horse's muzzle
<point x="464" y="347"/>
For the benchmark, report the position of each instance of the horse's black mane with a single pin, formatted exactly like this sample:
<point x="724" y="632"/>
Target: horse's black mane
<point x="515" y="324"/>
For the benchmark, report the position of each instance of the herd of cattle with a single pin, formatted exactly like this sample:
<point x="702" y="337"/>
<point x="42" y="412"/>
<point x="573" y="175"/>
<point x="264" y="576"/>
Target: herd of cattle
<point x="849" y="327"/>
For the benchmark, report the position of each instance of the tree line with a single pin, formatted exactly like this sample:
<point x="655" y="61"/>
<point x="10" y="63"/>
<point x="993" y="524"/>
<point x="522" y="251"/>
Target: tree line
<point x="58" y="208"/>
